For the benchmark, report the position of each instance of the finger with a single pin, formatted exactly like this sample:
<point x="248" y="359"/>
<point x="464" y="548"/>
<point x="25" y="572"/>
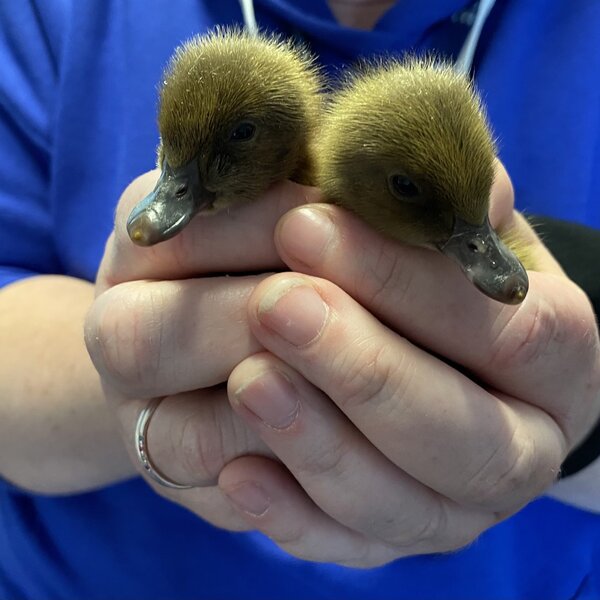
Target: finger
<point x="502" y="198"/>
<point x="192" y="436"/>
<point x="340" y="470"/>
<point x="529" y="351"/>
<point x="151" y="339"/>
<point x="189" y="439"/>
<point x="270" y="500"/>
<point x="426" y="417"/>
<point x="182" y="459"/>
<point x="234" y="241"/>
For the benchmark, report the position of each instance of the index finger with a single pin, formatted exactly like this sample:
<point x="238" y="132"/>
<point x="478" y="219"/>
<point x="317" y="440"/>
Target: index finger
<point x="239" y="240"/>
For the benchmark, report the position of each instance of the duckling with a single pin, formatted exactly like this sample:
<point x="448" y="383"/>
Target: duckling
<point x="405" y="145"/>
<point x="237" y="113"/>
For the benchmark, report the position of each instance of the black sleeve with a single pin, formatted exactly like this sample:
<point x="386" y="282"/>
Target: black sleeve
<point x="577" y="249"/>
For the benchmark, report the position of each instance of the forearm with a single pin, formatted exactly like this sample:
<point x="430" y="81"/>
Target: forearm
<point x="56" y="435"/>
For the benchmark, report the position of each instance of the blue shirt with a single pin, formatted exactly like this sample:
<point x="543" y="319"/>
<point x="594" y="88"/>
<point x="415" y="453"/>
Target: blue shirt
<point x="77" y="123"/>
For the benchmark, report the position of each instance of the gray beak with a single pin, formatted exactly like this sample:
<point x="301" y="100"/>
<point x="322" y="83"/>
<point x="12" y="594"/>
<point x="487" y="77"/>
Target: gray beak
<point x="163" y="213"/>
<point x="487" y="262"/>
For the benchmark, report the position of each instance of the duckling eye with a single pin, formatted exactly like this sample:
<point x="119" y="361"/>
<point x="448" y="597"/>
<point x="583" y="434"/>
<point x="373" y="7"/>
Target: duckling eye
<point x="181" y="190"/>
<point x="244" y="131"/>
<point x="402" y="186"/>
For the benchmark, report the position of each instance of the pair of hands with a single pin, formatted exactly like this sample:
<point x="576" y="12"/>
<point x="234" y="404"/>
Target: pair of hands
<point x="377" y="405"/>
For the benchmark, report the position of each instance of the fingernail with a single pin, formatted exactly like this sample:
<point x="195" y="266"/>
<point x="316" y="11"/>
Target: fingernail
<point x="305" y="234"/>
<point x="294" y="310"/>
<point x="250" y="498"/>
<point x="272" y="398"/>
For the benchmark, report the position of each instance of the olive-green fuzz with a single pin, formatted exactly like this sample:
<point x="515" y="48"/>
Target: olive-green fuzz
<point x="418" y="119"/>
<point x="215" y="82"/>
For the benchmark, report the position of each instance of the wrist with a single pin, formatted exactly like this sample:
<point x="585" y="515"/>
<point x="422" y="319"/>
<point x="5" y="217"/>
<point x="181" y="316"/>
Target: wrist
<point x="56" y="435"/>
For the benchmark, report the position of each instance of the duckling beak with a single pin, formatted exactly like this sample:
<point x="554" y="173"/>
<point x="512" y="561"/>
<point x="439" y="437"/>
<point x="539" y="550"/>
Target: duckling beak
<point x="486" y="261"/>
<point x="177" y="197"/>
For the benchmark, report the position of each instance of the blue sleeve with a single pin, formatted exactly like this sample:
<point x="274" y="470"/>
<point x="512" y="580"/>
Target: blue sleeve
<point x="30" y="49"/>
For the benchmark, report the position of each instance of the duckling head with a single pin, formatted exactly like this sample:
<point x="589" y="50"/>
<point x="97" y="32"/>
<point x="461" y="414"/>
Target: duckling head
<point x="406" y="146"/>
<point x="236" y="115"/>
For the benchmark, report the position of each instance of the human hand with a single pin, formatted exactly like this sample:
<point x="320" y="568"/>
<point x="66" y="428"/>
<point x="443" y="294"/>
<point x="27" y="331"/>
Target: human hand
<point x="163" y="325"/>
<point x="409" y="411"/>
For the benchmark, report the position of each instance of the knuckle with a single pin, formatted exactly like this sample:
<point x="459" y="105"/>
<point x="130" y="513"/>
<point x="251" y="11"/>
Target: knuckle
<point x="200" y="443"/>
<point x="327" y="460"/>
<point x="383" y="277"/>
<point x="292" y="541"/>
<point x="429" y="533"/>
<point x="363" y="373"/>
<point x="503" y="473"/>
<point x="525" y="337"/>
<point x="124" y="339"/>
<point x="437" y="533"/>
<point x="551" y="326"/>
<point x="368" y="375"/>
<point x="513" y="475"/>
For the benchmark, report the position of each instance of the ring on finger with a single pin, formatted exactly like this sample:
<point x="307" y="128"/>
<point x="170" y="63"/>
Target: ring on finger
<point x="141" y="446"/>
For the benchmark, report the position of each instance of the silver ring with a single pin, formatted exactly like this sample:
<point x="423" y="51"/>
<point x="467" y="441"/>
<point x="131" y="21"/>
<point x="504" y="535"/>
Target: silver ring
<point x="141" y="430"/>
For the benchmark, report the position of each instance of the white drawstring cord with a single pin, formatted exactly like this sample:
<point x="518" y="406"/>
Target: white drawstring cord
<point x="467" y="53"/>
<point x="249" y="16"/>
<point x="465" y="58"/>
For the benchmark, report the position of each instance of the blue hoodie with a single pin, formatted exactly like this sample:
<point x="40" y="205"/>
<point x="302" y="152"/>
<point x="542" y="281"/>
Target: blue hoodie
<point x="77" y="123"/>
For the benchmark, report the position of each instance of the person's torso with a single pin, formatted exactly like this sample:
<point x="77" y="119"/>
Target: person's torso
<point x="537" y="71"/>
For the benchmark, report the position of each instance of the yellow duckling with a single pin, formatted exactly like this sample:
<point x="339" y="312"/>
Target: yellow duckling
<point x="237" y="113"/>
<point x="406" y="146"/>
